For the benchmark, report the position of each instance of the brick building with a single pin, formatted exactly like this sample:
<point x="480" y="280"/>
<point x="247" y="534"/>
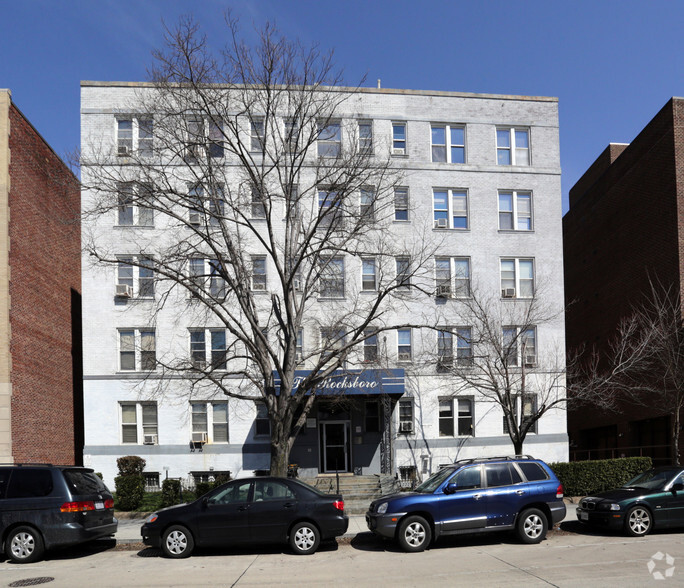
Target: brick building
<point x="40" y="349"/>
<point x="624" y="227"/>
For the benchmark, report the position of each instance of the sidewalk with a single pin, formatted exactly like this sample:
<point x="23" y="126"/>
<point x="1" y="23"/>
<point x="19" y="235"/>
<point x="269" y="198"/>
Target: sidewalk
<point x="129" y="529"/>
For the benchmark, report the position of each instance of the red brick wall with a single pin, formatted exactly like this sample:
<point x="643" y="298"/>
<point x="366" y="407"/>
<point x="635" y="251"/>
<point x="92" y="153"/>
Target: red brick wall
<point x="623" y="227"/>
<point x="45" y="270"/>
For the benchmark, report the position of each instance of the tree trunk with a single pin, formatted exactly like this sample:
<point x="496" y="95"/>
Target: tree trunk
<point x="675" y="435"/>
<point x="517" y="446"/>
<point x="280" y="456"/>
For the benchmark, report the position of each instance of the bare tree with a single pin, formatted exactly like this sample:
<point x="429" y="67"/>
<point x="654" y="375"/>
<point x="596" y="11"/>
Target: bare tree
<point x="244" y="162"/>
<point x="499" y="356"/>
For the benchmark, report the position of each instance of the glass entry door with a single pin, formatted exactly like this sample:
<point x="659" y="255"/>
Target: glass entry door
<point x="336" y="446"/>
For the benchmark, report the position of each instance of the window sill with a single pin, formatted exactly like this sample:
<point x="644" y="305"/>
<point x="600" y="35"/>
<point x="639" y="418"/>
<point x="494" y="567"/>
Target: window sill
<point x="516" y="230"/>
<point x="460" y="230"/>
<point x="330" y="298"/>
<point x="148" y="227"/>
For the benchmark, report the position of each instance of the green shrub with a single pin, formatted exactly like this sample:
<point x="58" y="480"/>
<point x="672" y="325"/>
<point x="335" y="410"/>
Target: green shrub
<point x="129" y="491"/>
<point x="130" y="465"/>
<point x="171" y="492"/>
<point x="580" y="478"/>
<point x="221" y="479"/>
<point x="201" y="488"/>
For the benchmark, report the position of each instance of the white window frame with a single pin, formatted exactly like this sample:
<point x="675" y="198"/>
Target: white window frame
<point x="139" y="142"/>
<point x="261" y="415"/>
<point x="449" y="145"/>
<point x="406" y="405"/>
<point x="365" y="141"/>
<point x="399" y="144"/>
<point x="401" y="204"/>
<point x="370" y="346"/>
<point x="336" y="278"/>
<point x="257" y="136"/>
<point x="516" y="345"/>
<point x="512" y="153"/>
<point x="209" y="205"/>
<point x="369" y="279"/>
<point x="140" y="216"/>
<point x="367" y="199"/>
<point x="204" y="272"/>
<point x="208" y="427"/>
<point x="404" y="348"/>
<point x="446" y="416"/>
<point x="461" y="416"/>
<point x="208" y="348"/>
<point x="516" y="282"/>
<point x="142" y="426"/>
<point x="330" y="146"/>
<point x="450" y="279"/>
<point x="403" y="278"/>
<point x="517" y="212"/>
<point x="140" y="336"/>
<point x="208" y="139"/>
<point x="137" y="280"/>
<point x="259" y="273"/>
<point x="452" y="212"/>
<point x="521" y="416"/>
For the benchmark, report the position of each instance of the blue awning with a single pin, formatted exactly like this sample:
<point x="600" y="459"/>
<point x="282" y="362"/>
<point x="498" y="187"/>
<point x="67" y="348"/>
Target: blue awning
<point x="355" y="382"/>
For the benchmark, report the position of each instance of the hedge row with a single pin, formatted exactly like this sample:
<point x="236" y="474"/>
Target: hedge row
<point x="581" y="478"/>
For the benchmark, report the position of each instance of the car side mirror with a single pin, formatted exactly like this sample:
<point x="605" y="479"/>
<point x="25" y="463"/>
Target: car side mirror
<point x="678" y="487"/>
<point x="450" y="488"/>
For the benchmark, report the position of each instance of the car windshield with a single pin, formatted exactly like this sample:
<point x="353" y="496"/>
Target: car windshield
<point x="434" y="481"/>
<point x="652" y="479"/>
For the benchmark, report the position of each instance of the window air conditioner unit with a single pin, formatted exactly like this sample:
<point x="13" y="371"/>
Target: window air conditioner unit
<point x="508" y="292"/>
<point x="149" y="439"/>
<point x="404" y="357"/>
<point x="444" y="291"/>
<point x="398" y="151"/>
<point x="530" y="360"/>
<point x="199" y="437"/>
<point x="124" y="291"/>
<point x="442" y="223"/>
<point x="406" y="427"/>
<point x="123" y="150"/>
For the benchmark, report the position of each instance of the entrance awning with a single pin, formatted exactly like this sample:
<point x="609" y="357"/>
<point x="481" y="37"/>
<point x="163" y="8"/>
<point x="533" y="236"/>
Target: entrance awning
<point x="354" y="382"/>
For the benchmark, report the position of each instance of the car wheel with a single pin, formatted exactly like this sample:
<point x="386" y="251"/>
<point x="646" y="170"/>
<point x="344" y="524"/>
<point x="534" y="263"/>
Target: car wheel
<point x="532" y="526"/>
<point x="304" y="538"/>
<point x="415" y="534"/>
<point x="177" y="542"/>
<point x="638" y="521"/>
<point x="24" y="545"/>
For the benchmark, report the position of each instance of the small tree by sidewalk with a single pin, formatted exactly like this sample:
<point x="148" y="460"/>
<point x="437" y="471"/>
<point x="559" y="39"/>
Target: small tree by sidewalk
<point x="130" y="483"/>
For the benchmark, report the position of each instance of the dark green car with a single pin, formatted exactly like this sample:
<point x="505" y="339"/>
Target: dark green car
<point x="652" y="500"/>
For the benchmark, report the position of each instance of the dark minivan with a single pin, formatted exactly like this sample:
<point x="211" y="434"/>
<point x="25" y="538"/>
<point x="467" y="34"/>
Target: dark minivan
<point x="45" y="506"/>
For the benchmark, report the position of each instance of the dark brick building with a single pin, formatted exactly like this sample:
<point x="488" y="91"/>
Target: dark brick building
<point x="624" y="227"/>
<point x="40" y="277"/>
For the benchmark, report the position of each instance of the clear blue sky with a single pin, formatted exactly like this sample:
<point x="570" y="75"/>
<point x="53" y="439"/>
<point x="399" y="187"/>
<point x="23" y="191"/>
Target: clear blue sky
<point x="612" y="63"/>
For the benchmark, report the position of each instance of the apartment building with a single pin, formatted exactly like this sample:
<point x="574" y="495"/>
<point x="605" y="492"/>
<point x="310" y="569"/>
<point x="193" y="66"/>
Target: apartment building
<point x="40" y="282"/>
<point x="476" y="183"/>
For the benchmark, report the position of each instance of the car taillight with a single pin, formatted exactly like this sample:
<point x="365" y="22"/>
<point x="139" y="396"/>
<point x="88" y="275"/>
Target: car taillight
<point x="109" y="503"/>
<point x="77" y="506"/>
<point x="338" y="504"/>
<point x="559" y="491"/>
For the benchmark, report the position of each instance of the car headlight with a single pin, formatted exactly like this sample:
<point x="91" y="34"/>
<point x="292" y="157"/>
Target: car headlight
<point x="382" y="509"/>
<point x="608" y="506"/>
<point x="614" y="507"/>
<point x="153" y="517"/>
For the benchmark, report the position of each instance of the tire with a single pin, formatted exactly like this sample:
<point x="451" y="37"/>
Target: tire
<point x="304" y="538"/>
<point x="177" y="542"/>
<point x="638" y="521"/>
<point x="414" y="534"/>
<point x="24" y="545"/>
<point x="531" y="526"/>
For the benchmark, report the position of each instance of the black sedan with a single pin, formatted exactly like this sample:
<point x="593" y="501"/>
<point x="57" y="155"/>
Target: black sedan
<point x="249" y="510"/>
<point x="652" y="500"/>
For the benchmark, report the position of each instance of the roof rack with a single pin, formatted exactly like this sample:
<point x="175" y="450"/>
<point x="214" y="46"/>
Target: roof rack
<point x="495" y="458"/>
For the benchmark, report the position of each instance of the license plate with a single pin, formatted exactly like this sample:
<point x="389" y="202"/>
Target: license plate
<point x="99" y="505"/>
<point x="584" y="516"/>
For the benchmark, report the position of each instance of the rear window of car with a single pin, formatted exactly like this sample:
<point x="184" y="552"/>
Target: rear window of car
<point x="29" y="483"/>
<point x="501" y="474"/>
<point x="533" y="471"/>
<point x="84" y="482"/>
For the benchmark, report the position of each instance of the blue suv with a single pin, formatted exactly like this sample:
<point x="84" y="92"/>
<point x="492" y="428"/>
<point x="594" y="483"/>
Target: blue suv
<point x="473" y="496"/>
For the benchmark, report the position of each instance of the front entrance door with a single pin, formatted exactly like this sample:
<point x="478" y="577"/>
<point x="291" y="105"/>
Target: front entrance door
<point x="336" y="446"/>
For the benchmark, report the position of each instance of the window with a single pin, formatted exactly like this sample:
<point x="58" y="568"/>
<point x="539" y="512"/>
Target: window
<point x="512" y="146"/>
<point x="370" y="346"/>
<point x="204" y="138"/>
<point x="151" y="481"/>
<point x="329" y="139"/>
<point x="366" y="137"/>
<point x="200" y="432"/>
<point x="329" y="209"/>
<point x="446" y="417"/>
<point x="219" y="417"/>
<point x="217" y="284"/>
<point x="450" y="209"/>
<point x="517" y="278"/>
<point x="134" y="134"/>
<point x="131" y="210"/>
<point x="256" y="144"/>
<point x="465" y="417"/>
<point x="367" y="205"/>
<point x="291" y="135"/>
<point x="445" y="350"/>
<point x="258" y="204"/>
<point x="460" y="287"/>
<point x="137" y="350"/>
<point x="520" y="346"/>
<point x="272" y="490"/>
<point x="406" y="415"/>
<point x="372" y="416"/>
<point x="461" y="277"/>
<point x="207" y="205"/>
<point x="258" y="272"/>
<point x="443" y="276"/>
<point x="515" y="211"/>
<point x="332" y="278"/>
<point x="403" y="272"/>
<point x="529" y="409"/>
<point x="501" y="474"/>
<point x="468" y="478"/>
<point x="368" y="274"/>
<point x="198" y="348"/>
<point x="215" y="139"/>
<point x="332" y="340"/>
<point x="262" y="424"/>
<point x="404" y="344"/>
<point x="299" y="345"/>
<point x="399" y="138"/>
<point x="401" y="204"/>
<point x="135" y="276"/>
<point x="139" y="423"/>
<point x="448" y="143"/>
<point x="464" y="345"/>
<point x="199" y="269"/>
<point x="533" y="471"/>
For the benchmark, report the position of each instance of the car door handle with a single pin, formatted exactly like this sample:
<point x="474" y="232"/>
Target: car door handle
<point x="245" y="507"/>
<point x="477" y="496"/>
<point x="520" y="492"/>
<point x="288" y="505"/>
